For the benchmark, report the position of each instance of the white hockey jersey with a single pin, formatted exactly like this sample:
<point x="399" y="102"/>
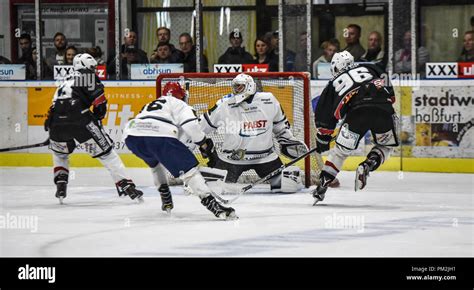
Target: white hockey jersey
<point x="165" y="117"/>
<point x="247" y="128"/>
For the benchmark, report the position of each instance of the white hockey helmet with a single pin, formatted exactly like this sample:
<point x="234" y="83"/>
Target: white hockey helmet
<point x="243" y="86"/>
<point x="340" y="61"/>
<point x="84" y="61"/>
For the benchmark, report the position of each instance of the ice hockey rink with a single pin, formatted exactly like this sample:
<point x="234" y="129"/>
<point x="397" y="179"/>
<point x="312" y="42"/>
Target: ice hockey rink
<point x="414" y="214"/>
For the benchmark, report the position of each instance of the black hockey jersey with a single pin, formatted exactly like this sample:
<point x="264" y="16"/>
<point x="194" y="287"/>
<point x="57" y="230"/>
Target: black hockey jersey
<point x="357" y="86"/>
<point x="76" y="94"/>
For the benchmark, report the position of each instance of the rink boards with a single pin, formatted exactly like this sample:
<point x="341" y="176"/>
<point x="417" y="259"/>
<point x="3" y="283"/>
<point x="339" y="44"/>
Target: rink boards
<point x="436" y="119"/>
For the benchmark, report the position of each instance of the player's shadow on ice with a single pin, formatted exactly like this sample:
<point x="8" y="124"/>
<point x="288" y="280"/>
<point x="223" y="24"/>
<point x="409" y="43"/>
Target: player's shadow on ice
<point x="356" y="206"/>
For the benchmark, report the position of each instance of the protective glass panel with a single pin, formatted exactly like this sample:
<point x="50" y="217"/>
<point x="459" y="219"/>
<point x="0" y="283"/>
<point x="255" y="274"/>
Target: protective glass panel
<point x="295" y="37"/>
<point x="228" y="36"/>
<point x="23" y="41"/>
<point x="69" y="29"/>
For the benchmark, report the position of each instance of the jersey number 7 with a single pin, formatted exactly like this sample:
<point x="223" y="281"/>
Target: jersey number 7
<point x="347" y="80"/>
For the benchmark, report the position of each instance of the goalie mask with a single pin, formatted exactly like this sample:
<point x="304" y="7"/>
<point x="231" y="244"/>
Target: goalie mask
<point x="340" y="61"/>
<point x="84" y="61"/>
<point x="243" y="87"/>
<point x="174" y="89"/>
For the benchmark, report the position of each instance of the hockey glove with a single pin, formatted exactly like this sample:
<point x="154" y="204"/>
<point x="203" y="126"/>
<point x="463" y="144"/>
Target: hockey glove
<point x="292" y="148"/>
<point x="47" y="122"/>
<point x="206" y="146"/>
<point x="322" y="143"/>
<point x="100" y="111"/>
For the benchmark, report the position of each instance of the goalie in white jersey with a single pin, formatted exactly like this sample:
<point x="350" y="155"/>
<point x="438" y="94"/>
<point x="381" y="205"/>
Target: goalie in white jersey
<point x="153" y="136"/>
<point x="248" y="121"/>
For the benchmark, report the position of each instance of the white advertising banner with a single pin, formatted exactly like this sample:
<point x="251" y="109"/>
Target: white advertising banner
<point x="149" y="71"/>
<point x="12" y="72"/>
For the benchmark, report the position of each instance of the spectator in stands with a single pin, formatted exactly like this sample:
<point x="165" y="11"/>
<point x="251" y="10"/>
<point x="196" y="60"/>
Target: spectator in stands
<point x="352" y="37"/>
<point x="263" y="54"/>
<point x="164" y="34"/>
<point x="59" y="56"/>
<point x="374" y="52"/>
<point x="468" y="49"/>
<point x="129" y="54"/>
<point x="290" y="55"/>
<point x="96" y="53"/>
<point x="27" y="56"/>
<point x="402" y="57"/>
<point x="329" y="47"/>
<point x="71" y="52"/>
<point x="235" y="54"/>
<point x="188" y="56"/>
<point x="301" y="61"/>
<point x="163" y="53"/>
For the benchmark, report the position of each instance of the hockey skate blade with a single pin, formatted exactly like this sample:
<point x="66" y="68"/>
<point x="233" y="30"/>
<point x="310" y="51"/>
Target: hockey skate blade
<point x="140" y="200"/>
<point x="61" y="200"/>
<point x="232" y="216"/>
<point x="358" y="184"/>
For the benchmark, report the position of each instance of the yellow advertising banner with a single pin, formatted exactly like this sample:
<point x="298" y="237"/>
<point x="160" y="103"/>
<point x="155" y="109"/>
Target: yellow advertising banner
<point x="123" y="103"/>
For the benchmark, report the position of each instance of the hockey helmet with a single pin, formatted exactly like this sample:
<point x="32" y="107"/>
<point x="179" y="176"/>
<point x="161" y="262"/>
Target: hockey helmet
<point x="340" y="61"/>
<point x="84" y="61"/>
<point x="243" y="86"/>
<point x="174" y="89"/>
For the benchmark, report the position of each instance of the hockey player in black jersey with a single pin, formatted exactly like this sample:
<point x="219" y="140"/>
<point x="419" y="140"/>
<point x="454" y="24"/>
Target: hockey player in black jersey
<point x="359" y="96"/>
<point x="71" y="122"/>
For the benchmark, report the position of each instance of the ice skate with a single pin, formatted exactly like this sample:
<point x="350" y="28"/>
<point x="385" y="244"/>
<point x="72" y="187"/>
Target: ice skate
<point x="362" y="172"/>
<point x="218" y="209"/>
<point x="325" y="180"/>
<point x="166" y="198"/>
<point x="319" y="193"/>
<point x="128" y="187"/>
<point x="61" y="187"/>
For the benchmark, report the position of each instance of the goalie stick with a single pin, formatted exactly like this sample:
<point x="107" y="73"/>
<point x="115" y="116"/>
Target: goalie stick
<point x="44" y="143"/>
<point x="268" y="177"/>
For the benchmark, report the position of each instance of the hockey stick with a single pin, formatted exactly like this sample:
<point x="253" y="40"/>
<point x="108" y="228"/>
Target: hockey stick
<point x="45" y="143"/>
<point x="270" y="175"/>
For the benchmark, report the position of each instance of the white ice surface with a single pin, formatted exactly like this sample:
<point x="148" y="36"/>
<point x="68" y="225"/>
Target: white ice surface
<point x="422" y="214"/>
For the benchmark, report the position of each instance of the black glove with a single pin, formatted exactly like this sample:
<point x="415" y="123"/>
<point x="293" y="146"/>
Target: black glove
<point x="100" y="111"/>
<point x="47" y="122"/>
<point x="322" y="143"/>
<point x="206" y="146"/>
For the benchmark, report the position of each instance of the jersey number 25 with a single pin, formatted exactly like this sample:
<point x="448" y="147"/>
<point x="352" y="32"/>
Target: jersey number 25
<point x="347" y="80"/>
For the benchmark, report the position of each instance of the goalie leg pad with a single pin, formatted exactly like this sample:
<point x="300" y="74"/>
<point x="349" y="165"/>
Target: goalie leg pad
<point x="289" y="181"/>
<point x="213" y="174"/>
<point x="196" y="182"/>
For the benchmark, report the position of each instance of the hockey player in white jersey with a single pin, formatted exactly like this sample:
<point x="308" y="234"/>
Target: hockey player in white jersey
<point x="248" y="121"/>
<point x="153" y="136"/>
<point x="70" y="122"/>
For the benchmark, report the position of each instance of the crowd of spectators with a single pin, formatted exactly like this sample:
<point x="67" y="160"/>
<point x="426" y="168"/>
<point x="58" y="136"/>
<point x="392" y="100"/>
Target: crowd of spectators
<point x="266" y="49"/>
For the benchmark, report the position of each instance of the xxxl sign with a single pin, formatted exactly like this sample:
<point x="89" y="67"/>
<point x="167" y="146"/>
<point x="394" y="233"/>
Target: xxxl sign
<point x="449" y="70"/>
<point x="441" y="70"/>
